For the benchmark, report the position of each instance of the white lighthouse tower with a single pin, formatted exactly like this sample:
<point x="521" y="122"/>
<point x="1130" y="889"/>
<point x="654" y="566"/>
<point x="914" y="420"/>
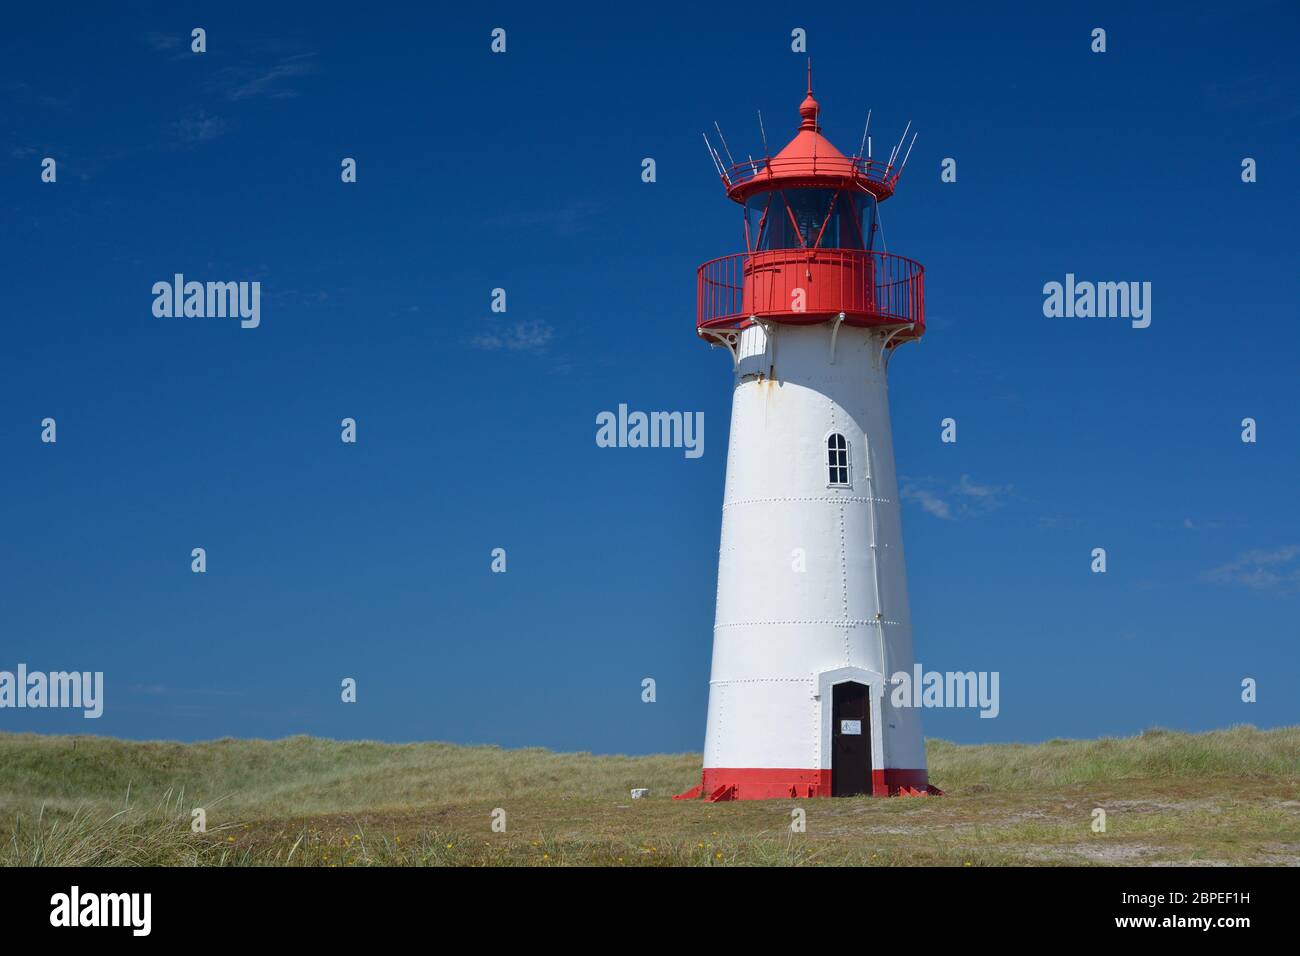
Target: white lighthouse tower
<point x="812" y="615"/>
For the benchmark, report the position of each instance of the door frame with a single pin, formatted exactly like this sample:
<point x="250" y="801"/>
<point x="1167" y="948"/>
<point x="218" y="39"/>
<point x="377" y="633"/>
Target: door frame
<point x="826" y="681"/>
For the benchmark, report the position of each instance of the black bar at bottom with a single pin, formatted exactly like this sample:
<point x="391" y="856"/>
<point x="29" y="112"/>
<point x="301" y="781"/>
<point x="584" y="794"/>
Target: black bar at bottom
<point x="909" y="906"/>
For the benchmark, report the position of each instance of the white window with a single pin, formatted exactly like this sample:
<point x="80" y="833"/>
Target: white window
<point x="837" y="460"/>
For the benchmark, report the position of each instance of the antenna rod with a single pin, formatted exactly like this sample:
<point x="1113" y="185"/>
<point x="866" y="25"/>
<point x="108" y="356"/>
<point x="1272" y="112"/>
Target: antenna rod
<point x="725" y="175"/>
<point x="724" y="142"/>
<point x="763" y="132"/>
<point x="864" y="134"/>
<point x="710" y="149"/>
<point x="894" y="155"/>
<point x="713" y="156"/>
<point x="726" y="178"/>
<point x="909" y="153"/>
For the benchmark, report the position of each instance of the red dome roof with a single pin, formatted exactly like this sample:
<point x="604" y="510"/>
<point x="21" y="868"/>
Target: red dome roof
<point x="810" y="160"/>
<point x="810" y="153"/>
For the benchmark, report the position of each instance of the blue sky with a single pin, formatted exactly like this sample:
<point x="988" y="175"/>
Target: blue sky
<point x="476" y="430"/>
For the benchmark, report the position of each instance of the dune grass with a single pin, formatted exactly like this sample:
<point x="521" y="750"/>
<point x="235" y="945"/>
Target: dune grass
<point x="1228" y="797"/>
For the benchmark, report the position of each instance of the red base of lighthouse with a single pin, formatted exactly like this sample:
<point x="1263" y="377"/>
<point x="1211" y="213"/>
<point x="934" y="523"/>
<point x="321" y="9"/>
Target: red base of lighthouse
<point x="718" y="784"/>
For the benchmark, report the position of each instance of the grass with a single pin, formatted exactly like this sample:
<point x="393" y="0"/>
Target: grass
<point x="1225" y="797"/>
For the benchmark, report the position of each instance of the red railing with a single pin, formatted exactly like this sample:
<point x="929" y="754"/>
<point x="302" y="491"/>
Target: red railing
<point x="803" y="286"/>
<point x="876" y="176"/>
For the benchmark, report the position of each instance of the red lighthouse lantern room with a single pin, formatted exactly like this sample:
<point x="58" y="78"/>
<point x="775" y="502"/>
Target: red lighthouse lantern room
<point x="812" y="238"/>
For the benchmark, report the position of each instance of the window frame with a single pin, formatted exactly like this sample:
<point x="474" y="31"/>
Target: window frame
<point x="842" y="463"/>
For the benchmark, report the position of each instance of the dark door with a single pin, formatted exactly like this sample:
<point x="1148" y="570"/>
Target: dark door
<point x="850" y="740"/>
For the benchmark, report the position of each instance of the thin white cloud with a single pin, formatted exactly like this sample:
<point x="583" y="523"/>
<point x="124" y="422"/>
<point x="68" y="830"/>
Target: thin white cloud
<point x="929" y="501"/>
<point x="964" y="499"/>
<point x="972" y="490"/>
<point x="1274" y="571"/>
<point x="531" y="336"/>
<point x="162" y="42"/>
<point x="243" y="83"/>
<point x="1190" y="525"/>
<point x="199" y="126"/>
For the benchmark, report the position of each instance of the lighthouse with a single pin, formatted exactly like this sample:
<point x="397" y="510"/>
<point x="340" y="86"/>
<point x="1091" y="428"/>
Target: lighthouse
<point x="812" y="614"/>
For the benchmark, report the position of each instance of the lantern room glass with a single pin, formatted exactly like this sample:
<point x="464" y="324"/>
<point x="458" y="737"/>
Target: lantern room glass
<point x="796" y="218"/>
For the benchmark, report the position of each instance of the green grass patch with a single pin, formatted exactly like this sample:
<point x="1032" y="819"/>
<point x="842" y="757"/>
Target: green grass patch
<point x="1230" y="796"/>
